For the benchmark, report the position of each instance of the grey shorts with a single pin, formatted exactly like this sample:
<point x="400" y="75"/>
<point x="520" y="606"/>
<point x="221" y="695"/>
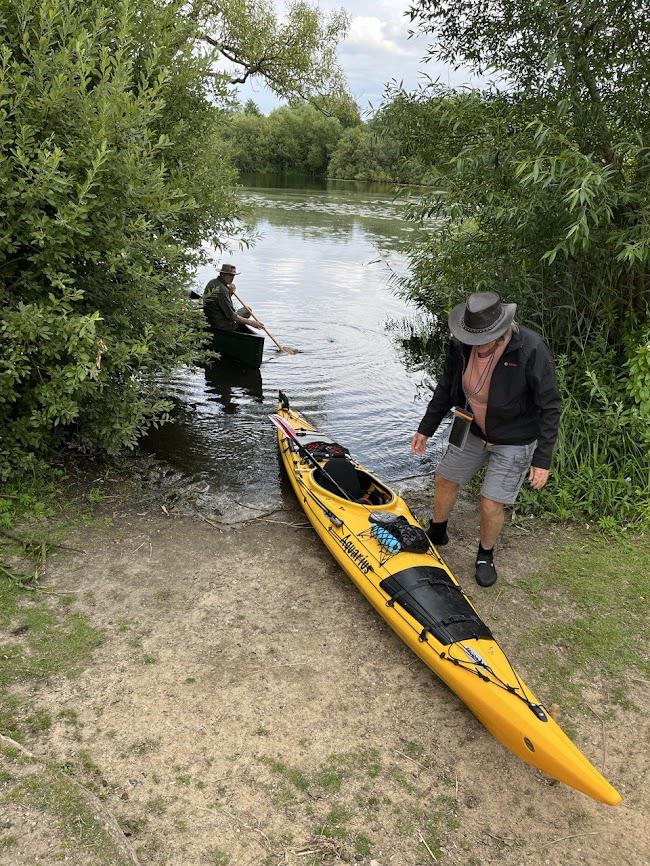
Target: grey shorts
<point x="507" y="466"/>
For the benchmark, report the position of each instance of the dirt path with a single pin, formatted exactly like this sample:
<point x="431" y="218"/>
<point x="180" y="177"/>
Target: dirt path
<point x="247" y="706"/>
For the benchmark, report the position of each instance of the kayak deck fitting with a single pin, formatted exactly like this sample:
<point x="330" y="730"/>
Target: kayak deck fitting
<point x="424" y="604"/>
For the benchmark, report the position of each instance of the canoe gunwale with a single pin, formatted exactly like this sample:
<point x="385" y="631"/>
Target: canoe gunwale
<point x="246" y="347"/>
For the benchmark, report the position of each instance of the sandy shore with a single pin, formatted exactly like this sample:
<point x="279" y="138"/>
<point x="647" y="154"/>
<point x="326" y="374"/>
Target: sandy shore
<point x="245" y="705"/>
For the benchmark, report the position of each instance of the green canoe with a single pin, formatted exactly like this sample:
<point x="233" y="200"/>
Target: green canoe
<point x="246" y="346"/>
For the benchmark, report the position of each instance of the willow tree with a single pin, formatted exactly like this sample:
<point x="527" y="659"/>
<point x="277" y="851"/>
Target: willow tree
<point x="545" y="196"/>
<point x="112" y="177"/>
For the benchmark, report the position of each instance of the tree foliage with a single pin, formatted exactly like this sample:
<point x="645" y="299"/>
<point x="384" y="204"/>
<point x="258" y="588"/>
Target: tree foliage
<point x="113" y="174"/>
<point x="545" y="197"/>
<point x="292" y="138"/>
<point x="373" y="152"/>
<point x="295" y="55"/>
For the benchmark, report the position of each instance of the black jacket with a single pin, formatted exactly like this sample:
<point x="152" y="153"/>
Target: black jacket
<point x="523" y="401"/>
<point x="218" y="306"/>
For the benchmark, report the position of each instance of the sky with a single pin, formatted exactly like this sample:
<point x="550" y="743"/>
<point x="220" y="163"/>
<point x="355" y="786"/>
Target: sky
<point x="376" y="51"/>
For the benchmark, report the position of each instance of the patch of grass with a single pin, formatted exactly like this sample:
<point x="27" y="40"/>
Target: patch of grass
<point x="262" y="731"/>
<point x="219" y="857"/>
<point x="362" y="845"/>
<point x="7" y="842"/>
<point x="96" y="495"/>
<point x="53" y="793"/>
<point x="331" y="774"/>
<point x="183" y="779"/>
<point x="141" y="747"/>
<point x="156" y="806"/>
<point x="334" y="824"/>
<point x="399" y="776"/>
<point x="24" y="500"/>
<point x="46" y="642"/>
<point x="149" y="659"/>
<point x="23" y="553"/>
<point x="404" y="825"/>
<point x="438" y="819"/>
<point x="282" y="795"/>
<point x="412" y="749"/>
<point x="69" y="716"/>
<point x="296" y="777"/>
<point x="329" y="778"/>
<point x="19" y="719"/>
<point x="50" y="644"/>
<point x="600" y="592"/>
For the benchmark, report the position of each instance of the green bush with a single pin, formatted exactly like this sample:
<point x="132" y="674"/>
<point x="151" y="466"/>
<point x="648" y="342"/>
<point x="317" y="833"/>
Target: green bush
<point x="541" y="194"/>
<point x="110" y="181"/>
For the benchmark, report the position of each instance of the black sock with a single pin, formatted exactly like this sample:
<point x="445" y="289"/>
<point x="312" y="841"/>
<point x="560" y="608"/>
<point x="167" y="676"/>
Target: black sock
<point x="483" y="552"/>
<point x="437" y="531"/>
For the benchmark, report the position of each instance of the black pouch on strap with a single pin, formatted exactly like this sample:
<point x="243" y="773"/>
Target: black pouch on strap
<point x="436" y="602"/>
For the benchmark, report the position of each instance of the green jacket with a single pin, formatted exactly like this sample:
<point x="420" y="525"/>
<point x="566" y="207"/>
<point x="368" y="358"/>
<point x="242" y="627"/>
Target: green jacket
<point x="218" y="306"/>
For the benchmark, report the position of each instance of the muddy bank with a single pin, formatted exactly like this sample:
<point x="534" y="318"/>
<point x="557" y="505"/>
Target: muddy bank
<point x="246" y="706"/>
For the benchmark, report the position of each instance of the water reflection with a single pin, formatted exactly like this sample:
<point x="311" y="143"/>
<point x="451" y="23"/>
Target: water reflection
<point x="228" y="381"/>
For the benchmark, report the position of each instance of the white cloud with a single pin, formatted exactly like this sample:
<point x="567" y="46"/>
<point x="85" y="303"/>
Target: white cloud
<point x="376" y="51"/>
<point x="368" y="35"/>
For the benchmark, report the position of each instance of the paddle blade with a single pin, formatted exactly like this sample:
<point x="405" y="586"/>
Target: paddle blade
<point x="284" y="426"/>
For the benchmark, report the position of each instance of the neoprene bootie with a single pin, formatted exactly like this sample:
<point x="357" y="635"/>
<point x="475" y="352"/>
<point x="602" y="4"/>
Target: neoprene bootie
<point x="486" y="573"/>
<point x="437" y="533"/>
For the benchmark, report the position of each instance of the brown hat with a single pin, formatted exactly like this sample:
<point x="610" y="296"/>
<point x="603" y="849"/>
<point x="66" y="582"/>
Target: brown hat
<point x="481" y="319"/>
<point x="229" y="269"/>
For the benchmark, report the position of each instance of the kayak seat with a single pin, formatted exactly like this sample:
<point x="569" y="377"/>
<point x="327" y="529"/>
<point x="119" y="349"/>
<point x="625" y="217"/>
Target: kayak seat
<point x="436" y="602"/>
<point x="358" y="485"/>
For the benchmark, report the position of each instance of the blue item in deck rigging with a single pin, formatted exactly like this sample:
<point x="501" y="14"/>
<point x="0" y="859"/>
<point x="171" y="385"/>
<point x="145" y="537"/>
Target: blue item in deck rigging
<point x="385" y="538"/>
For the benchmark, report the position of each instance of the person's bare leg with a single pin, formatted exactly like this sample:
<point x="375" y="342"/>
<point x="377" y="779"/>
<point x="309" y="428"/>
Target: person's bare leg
<point x="443" y="502"/>
<point x="444" y="498"/>
<point x="492" y="519"/>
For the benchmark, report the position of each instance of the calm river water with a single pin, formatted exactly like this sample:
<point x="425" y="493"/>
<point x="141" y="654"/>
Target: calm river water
<point x="319" y="278"/>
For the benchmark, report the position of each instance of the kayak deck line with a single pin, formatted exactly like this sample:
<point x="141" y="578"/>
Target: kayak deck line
<point x="440" y="625"/>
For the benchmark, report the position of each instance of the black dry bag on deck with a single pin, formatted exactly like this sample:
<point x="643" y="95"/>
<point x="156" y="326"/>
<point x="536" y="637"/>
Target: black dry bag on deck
<point x="412" y="539"/>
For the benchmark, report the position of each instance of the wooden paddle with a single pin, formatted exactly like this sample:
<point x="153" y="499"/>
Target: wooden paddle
<point x="280" y="348"/>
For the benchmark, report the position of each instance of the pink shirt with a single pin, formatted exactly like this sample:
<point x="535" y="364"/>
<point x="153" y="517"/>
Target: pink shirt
<point x="478" y="375"/>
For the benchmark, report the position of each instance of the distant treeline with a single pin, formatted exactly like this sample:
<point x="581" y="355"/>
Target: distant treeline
<point x="328" y="140"/>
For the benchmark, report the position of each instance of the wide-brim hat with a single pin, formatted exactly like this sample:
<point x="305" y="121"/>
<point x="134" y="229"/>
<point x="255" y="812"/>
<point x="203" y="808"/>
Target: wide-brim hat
<point x="481" y="318"/>
<point x="229" y="269"/>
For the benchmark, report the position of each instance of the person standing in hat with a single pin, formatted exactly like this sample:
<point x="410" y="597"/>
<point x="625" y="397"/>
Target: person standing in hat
<point x="218" y="306"/>
<point x="499" y="380"/>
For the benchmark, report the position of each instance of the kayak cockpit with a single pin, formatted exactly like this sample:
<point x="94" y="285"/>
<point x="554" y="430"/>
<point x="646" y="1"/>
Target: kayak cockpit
<point x="339" y="476"/>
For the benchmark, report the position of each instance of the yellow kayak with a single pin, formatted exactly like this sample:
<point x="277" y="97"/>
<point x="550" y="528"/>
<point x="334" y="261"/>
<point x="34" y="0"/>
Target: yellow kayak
<point x="423" y="602"/>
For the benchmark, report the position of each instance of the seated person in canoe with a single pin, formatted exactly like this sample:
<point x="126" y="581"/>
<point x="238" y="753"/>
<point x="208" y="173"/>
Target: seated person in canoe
<point x="218" y="306"/>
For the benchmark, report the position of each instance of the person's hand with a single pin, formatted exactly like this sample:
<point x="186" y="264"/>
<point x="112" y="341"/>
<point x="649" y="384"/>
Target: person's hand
<point x="257" y="324"/>
<point x="537" y="477"/>
<point x="419" y="443"/>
